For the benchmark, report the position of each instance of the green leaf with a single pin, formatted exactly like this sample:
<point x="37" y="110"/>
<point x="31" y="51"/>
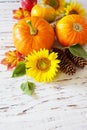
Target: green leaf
<point x="28" y="87"/>
<point x="77" y="50"/>
<point x="19" y="70"/>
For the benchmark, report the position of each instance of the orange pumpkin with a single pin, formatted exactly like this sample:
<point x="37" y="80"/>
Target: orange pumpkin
<point x="72" y="29"/>
<point x="33" y="33"/>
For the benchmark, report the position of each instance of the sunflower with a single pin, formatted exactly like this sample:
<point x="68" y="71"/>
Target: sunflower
<point x="42" y="65"/>
<point x="58" y="5"/>
<point x="74" y="8"/>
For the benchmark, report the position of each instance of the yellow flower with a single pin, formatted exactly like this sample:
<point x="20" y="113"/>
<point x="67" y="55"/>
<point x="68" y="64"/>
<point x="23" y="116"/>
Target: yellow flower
<point x="74" y="8"/>
<point x="58" y="5"/>
<point x="42" y="65"/>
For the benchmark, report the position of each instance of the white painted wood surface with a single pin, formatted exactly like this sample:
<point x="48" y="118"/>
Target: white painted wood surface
<point x="60" y="105"/>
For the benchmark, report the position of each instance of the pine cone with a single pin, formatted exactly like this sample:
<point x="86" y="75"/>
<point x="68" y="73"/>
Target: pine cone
<point x="66" y="65"/>
<point x="78" y="61"/>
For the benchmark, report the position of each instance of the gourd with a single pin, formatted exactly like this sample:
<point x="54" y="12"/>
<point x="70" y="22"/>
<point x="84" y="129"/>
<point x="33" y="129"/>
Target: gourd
<point x="44" y="11"/>
<point x="72" y="29"/>
<point x="32" y="33"/>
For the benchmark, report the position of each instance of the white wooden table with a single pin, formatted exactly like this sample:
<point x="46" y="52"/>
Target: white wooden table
<point x="60" y="105"/>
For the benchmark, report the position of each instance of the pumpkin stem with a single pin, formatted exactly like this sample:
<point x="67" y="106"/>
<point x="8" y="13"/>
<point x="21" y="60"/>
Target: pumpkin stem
<point x="77" y="27"/>
<point x="33" y="31"/>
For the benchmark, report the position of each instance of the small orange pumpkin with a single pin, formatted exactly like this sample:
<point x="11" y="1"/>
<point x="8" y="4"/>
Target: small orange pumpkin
<point x="72" y="29"/>
<point x="33" y="33"/>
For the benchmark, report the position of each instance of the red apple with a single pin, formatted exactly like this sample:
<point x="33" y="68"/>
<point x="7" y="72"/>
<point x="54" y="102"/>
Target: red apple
<point x="28" y="4"/>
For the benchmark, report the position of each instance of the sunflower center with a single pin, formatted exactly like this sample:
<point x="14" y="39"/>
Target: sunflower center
<point x="73" y="12"/>
<point x="43" y="64"/>
<point x="77" y="27"/>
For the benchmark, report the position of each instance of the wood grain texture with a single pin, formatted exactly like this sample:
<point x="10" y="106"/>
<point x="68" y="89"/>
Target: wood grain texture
<point x="60" y="105"/>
